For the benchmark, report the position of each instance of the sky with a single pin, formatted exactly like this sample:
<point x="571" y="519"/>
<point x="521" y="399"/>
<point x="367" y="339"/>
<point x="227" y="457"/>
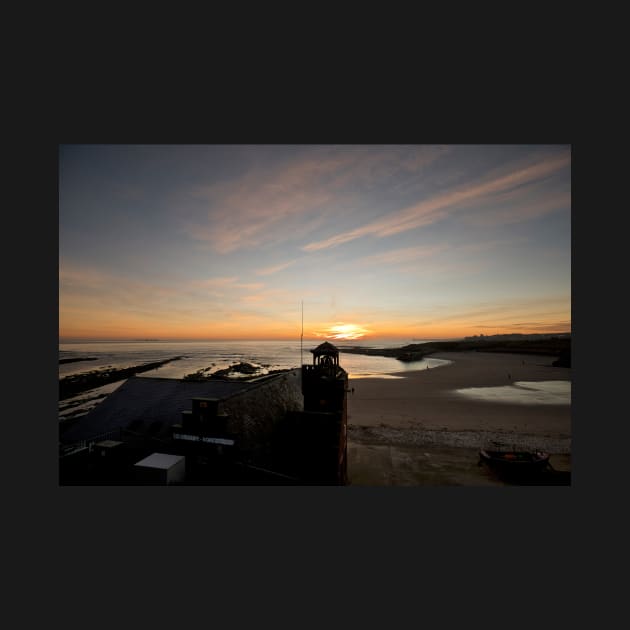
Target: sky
<point x="365" y="242"/>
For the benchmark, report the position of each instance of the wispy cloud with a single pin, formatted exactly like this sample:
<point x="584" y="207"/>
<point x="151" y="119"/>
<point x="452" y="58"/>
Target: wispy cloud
<point x="91" y="300"/>
<point x="403" y="255"/>
<point x="272" y="203"/>
<point x="271" y="297"/>
<point x="250" y="286"/>
<point x="398" y="238"/>
<point x="499" y="313"/>
<point x="255" y="208"/>
<point x="439" y="207"/>
<point x="506" y="213"/>
<point x="267" y="271"/>
<point x="107" y="290"/>
<point x="86" y="290"/>
<point x="542" y="326"/>
<point x="214" y="283"/>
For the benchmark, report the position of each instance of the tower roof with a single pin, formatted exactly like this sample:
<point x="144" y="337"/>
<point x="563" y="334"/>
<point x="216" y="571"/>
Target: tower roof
<point x="325" y="348"/>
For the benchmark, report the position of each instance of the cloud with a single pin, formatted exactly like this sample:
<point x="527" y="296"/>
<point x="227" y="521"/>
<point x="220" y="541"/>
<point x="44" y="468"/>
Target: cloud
<point x="94" y="303"/>
<point x="251" y="286"/>
<point x="499" y="313"/>
<point x="85" y="287"/>
<point x="543" y="326"/>
<point x="272" y="298"/>
<point x="266" y="271"/>
<point x="98" y="295"/>
<point x="437" y="208"/>
<point x="256" y="208"/>
<point x="504" y="214"/>
<point x="403" y="255"/>
<point x="272" y="202"/>
<point x="213" y="283"/>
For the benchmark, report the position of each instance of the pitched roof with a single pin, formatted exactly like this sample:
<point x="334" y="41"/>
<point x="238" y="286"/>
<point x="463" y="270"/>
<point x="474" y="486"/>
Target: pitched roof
<point x="325" y="348"/>
<point x="145" y="401"/>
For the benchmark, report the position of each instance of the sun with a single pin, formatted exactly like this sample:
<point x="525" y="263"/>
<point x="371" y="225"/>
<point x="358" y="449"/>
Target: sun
<point x="343" y="331"/>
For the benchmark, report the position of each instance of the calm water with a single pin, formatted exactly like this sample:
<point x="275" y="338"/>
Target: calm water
<point x="523" y="392"/>
<point x="216" y="355"/>
<point x="268" y="355"/>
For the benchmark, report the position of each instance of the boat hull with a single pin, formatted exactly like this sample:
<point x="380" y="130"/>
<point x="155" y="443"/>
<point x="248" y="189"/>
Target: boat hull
<point x="515" y="465"/>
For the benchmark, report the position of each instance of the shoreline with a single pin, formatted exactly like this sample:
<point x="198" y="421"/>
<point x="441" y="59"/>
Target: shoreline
<point x="558" y="345"/>
<point x="423" y="407"/>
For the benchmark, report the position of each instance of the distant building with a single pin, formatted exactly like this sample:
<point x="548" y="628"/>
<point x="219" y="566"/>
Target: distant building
<point x="286" y="428"/>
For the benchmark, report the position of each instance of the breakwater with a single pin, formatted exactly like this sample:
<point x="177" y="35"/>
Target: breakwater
<point x="77" y="383"/>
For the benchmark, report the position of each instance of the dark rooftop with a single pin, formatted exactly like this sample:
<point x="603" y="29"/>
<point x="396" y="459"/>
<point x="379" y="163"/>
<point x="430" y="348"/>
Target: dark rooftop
<point x="149" y="404"/>
<point x="325" y="348"/>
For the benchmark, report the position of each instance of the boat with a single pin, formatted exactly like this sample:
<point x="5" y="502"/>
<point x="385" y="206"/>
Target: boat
<point x="515" y="464"/>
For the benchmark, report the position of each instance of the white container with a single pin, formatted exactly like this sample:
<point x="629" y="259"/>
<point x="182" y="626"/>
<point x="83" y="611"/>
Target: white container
<point x="160" y="469"/>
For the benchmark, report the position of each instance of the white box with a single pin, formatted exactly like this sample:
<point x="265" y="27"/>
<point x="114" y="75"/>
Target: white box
<point x="160" y="469"/>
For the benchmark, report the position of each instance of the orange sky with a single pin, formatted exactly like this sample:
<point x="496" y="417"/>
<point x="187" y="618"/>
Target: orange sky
<point x="390" y="242"/>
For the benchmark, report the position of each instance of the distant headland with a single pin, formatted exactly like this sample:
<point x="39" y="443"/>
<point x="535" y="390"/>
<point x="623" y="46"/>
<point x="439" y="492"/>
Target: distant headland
<point x="536" y="344"/>
<point x="519" y="337"/>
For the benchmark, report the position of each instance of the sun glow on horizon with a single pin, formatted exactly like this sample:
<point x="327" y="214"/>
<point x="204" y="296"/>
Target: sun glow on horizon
<point x="285" y="242"/>
<point x="343" y="331"/>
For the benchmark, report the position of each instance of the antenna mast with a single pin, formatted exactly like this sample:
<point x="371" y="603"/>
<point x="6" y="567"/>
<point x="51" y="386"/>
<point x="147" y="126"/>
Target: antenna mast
<point x="302" y="335"/>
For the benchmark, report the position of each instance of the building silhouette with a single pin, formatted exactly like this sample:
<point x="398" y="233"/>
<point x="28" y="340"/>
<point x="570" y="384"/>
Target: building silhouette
<point x="286" y="428"/>
<point x="325" y="387"/>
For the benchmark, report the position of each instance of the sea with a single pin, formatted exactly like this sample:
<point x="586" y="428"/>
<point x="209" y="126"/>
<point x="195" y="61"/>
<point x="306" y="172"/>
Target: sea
<point x="199" y="355"/>
<point x="211" y="356"/>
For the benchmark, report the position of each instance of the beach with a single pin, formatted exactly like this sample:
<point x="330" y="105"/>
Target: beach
<point x="407" y="425"/>
<point x="423" y="432"/>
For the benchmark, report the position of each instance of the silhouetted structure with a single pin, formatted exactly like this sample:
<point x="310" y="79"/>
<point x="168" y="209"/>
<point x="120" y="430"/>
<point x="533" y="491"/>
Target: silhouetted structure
<point x="253" y="432"/>
<point x="325" y="417"/>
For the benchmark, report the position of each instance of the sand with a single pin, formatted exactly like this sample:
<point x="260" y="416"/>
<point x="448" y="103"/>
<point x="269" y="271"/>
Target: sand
<point x="403" y="465"/>
<point x="423" y="408"/>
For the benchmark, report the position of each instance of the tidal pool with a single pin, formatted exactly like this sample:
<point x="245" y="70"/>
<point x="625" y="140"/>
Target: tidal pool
<point x="523" y="392"/>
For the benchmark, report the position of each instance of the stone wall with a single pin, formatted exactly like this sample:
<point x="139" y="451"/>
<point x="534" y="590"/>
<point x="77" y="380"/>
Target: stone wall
<point x="256" y="414"/>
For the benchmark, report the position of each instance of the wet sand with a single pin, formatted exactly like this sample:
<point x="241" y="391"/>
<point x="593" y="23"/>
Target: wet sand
<point x="404" y="465"/>
<point x="423" y="407"/>
<point x="416" y="431"/>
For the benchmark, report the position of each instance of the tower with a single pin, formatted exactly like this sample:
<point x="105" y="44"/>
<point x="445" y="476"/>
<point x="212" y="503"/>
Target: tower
<point x="324" y="419"/>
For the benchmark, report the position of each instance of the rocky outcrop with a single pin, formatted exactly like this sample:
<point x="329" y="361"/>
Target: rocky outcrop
<point x="237" y="371"/>
<point x="77" y="383"/>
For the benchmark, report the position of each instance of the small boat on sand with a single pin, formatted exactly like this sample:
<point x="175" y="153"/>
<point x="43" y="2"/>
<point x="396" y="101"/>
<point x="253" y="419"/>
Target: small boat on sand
<point x="516" y="464"/>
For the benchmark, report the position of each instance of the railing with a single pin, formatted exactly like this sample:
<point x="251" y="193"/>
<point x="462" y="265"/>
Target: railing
<point x="335" y="371"/>
<point x="67" y="449"/>
<point x="114" y="434"/>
